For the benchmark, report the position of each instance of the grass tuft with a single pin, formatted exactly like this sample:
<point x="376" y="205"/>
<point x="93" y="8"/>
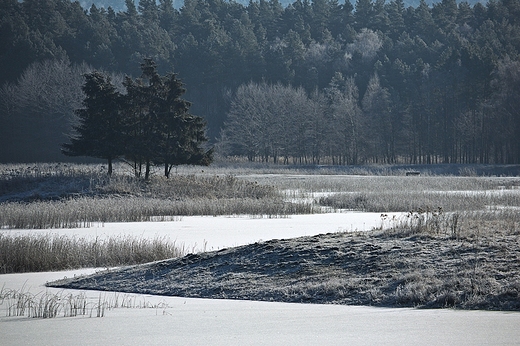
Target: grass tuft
<point x="21" y="303"/>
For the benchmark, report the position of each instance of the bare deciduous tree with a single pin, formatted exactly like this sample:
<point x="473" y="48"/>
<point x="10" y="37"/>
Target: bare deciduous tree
<point x="376" y="108"/>
<point x="367" y="43"/>
<point x="346" y="118"/>
<point x="38" y="110"/>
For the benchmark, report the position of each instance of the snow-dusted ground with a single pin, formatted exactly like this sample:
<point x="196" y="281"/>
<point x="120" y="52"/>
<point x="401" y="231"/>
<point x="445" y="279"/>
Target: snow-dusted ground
<point x="226" y="322"/>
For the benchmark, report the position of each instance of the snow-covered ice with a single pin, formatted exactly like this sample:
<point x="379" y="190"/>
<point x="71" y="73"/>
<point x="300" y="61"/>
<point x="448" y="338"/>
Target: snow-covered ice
<point x="231" y="322"/>
<point x="213" y="233"/>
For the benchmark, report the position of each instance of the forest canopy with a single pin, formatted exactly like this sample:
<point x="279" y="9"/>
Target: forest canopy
<point x="371" y="82"/>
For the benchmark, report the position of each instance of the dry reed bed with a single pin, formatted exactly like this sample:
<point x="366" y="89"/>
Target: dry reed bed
<point x="404" y="201"/>
<point x="399" y="193"/>
<point x="53" y="252"/>
<point x="354" y="183"/>
<point x="81" y="212"/>
<point x="458" y="245"/>
<point x="78" y="195"/>
<point x="28" y="187"/>
<point x="46" y="304"/>
<point x="468" y="226"/>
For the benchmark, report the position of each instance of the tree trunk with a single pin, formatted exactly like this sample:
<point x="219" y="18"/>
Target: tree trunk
<point x="147" y="172"/>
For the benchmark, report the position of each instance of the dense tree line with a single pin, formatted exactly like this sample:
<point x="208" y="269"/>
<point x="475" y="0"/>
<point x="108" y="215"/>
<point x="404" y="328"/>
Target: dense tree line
<point x="119" y="5"/>
<point x="378" y="81"/>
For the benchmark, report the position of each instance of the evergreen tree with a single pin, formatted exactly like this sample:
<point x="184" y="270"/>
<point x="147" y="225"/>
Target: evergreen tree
<point x="396" y="12"/>
<point x="364" y="14"/>
<point x="423" y="23"/>
<point x="434" y="61"/>
<point x="148" y="125"/>
<point x="180" y="135"/>
<point x="98" y="133"/>
<point x="159" y="128"/>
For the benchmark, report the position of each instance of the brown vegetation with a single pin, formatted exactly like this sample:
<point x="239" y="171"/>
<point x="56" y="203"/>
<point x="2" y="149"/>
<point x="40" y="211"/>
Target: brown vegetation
<point x="61" y="196"/>
<point x="52" y="252"/>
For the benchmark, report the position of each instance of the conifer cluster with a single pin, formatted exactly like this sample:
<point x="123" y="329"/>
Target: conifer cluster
<point x="148" y="125"/>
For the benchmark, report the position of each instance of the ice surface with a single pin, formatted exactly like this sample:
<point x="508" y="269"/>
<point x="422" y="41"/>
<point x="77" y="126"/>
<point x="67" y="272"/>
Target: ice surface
<point x="213" y="233"/>
<point x="226" y="322"/>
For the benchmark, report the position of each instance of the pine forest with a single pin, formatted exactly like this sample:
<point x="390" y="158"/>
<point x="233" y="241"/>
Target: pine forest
<point x="306" y="82"/>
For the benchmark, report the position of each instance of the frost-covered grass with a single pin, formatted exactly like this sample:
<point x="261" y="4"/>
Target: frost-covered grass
<point x="401" y="193"/>
<point x="379" y="183"/>
<point x="53" y="182"/>
<point x="53" y="252"/>
<point x="68" y="196"/>
<point x="404" y="201"/>
<point x="444" y="211"/>
<point x="83" y="211"/>
<point x="471" y="226"/>
<point x="428" y="259"/>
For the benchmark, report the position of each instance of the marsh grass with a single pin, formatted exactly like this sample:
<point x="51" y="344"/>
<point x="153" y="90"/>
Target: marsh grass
<point x="22" y="303"/>
<point x="53" y="252"/>
<point x="472" y="226"/>
<point x="455" y="245"/>
<point x="68" y="196"/>
<point x="429" y="259"/>
<point x="404" y="201"/>
<point x="339" y="181"/>
<point x="82" y="212"/>
<point x="485" y="244"/>
<point x="404" y="194"/>
<point x="43" y="182"/>
<point x="63" y="196"/>
<point x="19" y="303"/>
<point x="359" y="183"/>
<point x="398" y="193"/>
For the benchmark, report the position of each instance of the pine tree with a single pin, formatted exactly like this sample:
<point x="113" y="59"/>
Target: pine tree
<point x="160" y="130"/>
<point x="98" y="133"/>
<point x="364" y="14"/>
<point x="181" y="134"/>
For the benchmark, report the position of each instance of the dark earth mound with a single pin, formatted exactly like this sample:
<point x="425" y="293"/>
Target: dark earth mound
<point x="373" y="268"/>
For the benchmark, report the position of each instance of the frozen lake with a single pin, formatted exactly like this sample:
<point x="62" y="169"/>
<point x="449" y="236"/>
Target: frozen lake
<point x="182" y="321"/>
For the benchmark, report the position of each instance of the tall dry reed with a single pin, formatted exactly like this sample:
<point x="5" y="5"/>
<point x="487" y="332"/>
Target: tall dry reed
<point x="53" y="252"/>
<point x="47" y="304"/>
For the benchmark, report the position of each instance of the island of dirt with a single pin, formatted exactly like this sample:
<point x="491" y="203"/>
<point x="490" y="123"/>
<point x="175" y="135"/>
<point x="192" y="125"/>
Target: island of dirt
<point x="377" y="268"/>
